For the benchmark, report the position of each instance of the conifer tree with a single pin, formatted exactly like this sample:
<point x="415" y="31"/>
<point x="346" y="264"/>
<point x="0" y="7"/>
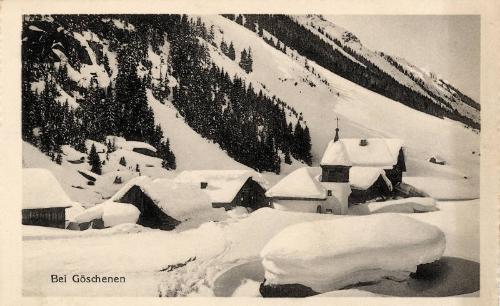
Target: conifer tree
<point x="244" y="59"/>
<point x="239" y="19"/>
<point x="230" y="52"/>
<point x="223" y="47"/>
<point x="306" y="147"/>
<point x="288" y="159"/>
<point x="94" y="160"/>
<point x="59" y="158"/>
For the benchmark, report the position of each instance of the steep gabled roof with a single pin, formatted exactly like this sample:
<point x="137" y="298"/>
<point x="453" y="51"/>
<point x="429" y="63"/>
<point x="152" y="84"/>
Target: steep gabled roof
<point x="223" y="185"/>
<point x="42" y="190"/>
<point x="362" y="178"/>
<point x="173" y="198"/>
<point x="378" y="152"/>
<point x="301" y="183"/>
<point x="337" y="155"/>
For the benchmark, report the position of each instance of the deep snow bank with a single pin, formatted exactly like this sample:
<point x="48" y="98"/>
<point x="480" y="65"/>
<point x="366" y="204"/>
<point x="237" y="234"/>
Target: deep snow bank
<point x="445" y="189"/>
<point x="407" y="205"/>
<point x="331" y="254"/>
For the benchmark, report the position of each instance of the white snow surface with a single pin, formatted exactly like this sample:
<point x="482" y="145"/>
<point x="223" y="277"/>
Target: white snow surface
<point x="42" y="190"/>
<point x="445" y="188"/>
<point x="112" y="213"/>
<point x="301" y="183"/>
<point x="377" y="153"/>
<point x="223" y="185"/>
<point x="176" y="199"/>
<point x="191" y="150"/>
<point x="407" y="205"/>
<point x="335" y="155"/>
<point x="362" y="178"/>
<point x="217" y="246"/>
<point x="119" y="213"/>
<point x="330" y="254"/>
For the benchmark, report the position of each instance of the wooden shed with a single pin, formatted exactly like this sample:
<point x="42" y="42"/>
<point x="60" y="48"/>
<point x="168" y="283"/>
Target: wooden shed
<point x="163" y="203"/>
<point x="368" y="183"/>
<point x="229" y="188"/>
<point x="44" y="201"/>
<point x="151" y="215"/>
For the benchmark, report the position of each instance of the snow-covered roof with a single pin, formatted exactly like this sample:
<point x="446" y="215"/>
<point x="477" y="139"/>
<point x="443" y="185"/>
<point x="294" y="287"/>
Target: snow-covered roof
<point x="378" y="152"/>
<point x="301" y="183"/>
<point x="122" y="143"/>
<point x="223" y="185"/>
<point x="137" y="145"/>
<point x="327" y="255"/>
<point x="337" y="155"/>
<point x="42" y="190"/>
<point x="362" y="178"/>
<point x="175" y="198"/>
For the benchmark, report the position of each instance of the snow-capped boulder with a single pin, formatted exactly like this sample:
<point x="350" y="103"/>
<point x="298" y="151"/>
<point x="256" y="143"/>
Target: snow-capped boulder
<point x="331" y="254"/>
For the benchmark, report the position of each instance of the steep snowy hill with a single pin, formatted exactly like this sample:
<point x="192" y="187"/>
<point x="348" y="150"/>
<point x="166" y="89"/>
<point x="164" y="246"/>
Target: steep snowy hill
<point x="79" y="54"/>
<point x="362" y="112"/>
<point x="426" y="83"/>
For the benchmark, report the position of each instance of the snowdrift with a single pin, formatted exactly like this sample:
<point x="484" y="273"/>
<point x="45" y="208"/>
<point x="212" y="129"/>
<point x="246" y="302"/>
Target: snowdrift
<point x="445" y="189"/>
<point x="408" y="205"/>
<point x="331" y="254"/>
<point x="111" y="213"/>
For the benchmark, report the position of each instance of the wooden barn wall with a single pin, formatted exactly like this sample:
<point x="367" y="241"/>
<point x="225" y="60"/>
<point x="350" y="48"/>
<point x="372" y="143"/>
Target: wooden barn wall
<point x="250" y="195"/>
<point x="378" y="189"/>
<point x="151" y="215"/>
<point x="50" y="217"/>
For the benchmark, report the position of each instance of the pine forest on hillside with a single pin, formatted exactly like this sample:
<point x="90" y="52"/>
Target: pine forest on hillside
<point x="249" y="125"/>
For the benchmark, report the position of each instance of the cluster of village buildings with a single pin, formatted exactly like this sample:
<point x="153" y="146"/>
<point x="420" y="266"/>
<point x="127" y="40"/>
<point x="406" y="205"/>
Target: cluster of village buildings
<point x="351" y="171"/>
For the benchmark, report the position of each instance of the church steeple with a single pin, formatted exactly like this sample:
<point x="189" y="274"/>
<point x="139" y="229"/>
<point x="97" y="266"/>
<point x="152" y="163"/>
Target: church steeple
<point x="336" y="138"/>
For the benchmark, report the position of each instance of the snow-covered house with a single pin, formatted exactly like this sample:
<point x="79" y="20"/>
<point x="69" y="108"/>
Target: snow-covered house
<point x="351" y="171"/>
<point x="44" y="201"/>
<point x="229" y="188"/>
<point x="135" y="146"/>
<point x="384" y="153"/>
<point x="302" y="190"/>
<point x="163" y="203"/>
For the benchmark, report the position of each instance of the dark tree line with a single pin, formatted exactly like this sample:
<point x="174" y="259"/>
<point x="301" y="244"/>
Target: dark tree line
<point x="249" y="125"/>
<point x="369" y="76"/>
<point x="121" y="109"/>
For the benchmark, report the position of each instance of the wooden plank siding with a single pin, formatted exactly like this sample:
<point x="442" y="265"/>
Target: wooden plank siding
<point x="49" y="217"/>
<point x="151" y="215"/>
<point x="251" y="195"/>
<point x="378" y="189"/>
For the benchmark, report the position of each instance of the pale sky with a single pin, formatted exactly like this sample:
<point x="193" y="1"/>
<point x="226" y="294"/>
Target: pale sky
<point x="446" y="45"/>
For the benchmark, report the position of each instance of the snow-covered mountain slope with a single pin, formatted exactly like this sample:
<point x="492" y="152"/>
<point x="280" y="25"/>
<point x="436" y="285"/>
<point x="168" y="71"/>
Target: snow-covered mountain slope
<point x="362" y="113"/>
<point x="423" y="82"/>
<point x="317" y="95"/>
<point x="192" y="151"/>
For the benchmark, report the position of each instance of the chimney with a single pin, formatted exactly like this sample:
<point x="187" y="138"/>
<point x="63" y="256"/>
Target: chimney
<point x="363" y="142"/>
<point x="203" y="185"/>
